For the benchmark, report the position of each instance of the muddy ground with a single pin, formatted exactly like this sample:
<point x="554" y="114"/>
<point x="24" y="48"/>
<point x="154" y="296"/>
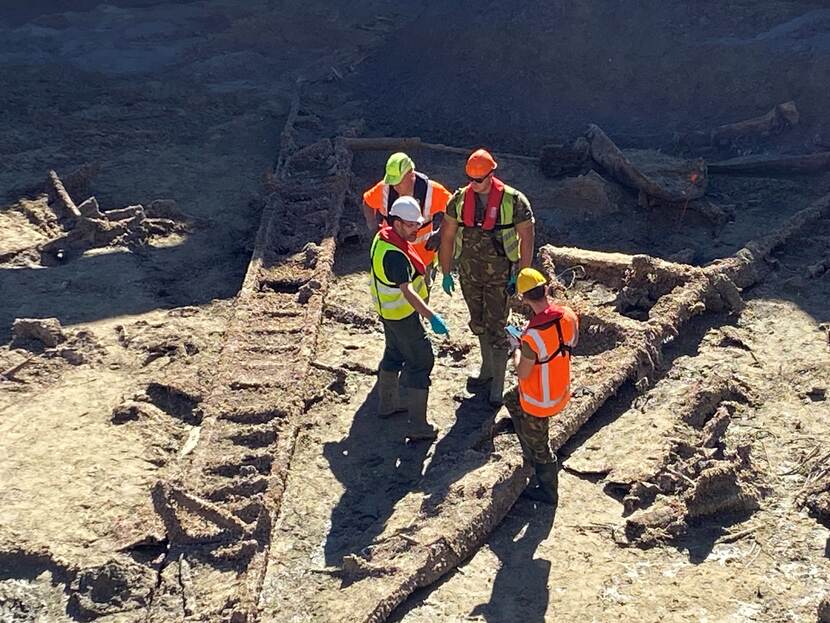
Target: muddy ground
<point x="186" y="101"/>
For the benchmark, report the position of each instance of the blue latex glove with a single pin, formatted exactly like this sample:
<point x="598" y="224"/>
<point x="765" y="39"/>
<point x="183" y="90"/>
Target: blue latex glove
<point x="448" y="284"/>
<point x="511" y="286"/>
<point x="438" y="325"/>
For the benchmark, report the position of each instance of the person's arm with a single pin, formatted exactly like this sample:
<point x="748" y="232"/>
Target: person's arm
<point x="370" y="214"/>
<point x="525" y="229"/>
<point x="524" y="367"/>
<point x="448" y="229"/>
<point x="527" y="239"/>
<point x="524" y="358"/>
<point x="416" y="301"/>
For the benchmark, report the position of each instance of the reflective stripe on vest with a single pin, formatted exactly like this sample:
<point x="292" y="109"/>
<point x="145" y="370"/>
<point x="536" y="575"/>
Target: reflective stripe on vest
<point x="425" y="231"/>
<point x="547" y="389"/>
<point x="422" y="191"/>
<point x="505" y="230"/>
<point x="390" y="303"/>
<point x="384" y="200"/>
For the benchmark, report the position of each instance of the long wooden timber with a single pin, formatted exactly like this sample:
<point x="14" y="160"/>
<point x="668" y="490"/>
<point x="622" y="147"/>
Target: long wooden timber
<point x="218" y="508"/>
<point x="428" y="535"/>
<point x="394" y="143"/>
<point x="773" y="166"/>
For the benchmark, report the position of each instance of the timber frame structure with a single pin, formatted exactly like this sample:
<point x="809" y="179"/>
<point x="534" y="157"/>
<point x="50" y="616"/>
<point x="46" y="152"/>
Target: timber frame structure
<point x="220" y="501"/>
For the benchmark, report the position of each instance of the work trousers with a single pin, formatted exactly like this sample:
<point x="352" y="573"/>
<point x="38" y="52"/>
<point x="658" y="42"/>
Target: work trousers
<point x="484" y="286"/>
<point x="408" y="351"/>
<point x="532" y="431"/>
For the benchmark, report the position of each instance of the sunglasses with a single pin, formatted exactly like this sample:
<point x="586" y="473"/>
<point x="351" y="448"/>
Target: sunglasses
<point x="479" y="180"/>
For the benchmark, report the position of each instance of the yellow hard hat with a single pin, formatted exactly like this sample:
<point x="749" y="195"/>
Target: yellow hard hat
<point x="398" y="165"/>
<point x="528" y="279"/>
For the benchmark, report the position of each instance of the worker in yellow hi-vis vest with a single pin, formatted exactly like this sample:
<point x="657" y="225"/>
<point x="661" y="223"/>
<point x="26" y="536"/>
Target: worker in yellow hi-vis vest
<point x="399" y="292"/>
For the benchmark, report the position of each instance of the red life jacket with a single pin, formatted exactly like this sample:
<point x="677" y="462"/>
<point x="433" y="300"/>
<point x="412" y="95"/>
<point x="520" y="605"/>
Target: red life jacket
<point x="491" y="212"/>
<point x="387" y="234"/>
<point x="553" y="312"/>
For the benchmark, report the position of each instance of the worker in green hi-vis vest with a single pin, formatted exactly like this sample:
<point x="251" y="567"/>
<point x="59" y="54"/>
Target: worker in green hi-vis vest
<point x="489" y="235"/>
<point x="399" y="291"/>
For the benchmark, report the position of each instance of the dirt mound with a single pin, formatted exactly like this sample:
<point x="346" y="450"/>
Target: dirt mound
<point x="517" y="75"/>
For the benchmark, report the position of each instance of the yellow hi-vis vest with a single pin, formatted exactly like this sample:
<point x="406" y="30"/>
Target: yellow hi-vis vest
<point x="390" y="302"/>
<point x="505" y="230"/>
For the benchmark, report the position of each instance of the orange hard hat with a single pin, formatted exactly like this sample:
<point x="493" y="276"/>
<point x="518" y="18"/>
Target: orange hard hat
<point x="480" y="163"/>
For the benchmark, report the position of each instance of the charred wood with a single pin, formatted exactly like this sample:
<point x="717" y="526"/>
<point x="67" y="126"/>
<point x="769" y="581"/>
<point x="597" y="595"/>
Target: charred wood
<point x="670" y="180"/>
<point x="773" y="166"/>
<point x="780" y="118"/>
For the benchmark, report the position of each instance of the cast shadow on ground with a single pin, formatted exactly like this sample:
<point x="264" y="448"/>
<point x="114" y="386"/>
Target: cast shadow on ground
<point x="118" y="283"/>
<point x="520" y="587"/>
<point x="377" y="469"/>
<point x="703" y="534"/>
<point x="473" y="416"/>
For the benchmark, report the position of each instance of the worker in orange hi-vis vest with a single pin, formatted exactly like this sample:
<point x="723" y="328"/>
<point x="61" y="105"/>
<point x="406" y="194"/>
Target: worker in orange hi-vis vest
<point x="402" y="180"/>
<point x="543" y="367"/>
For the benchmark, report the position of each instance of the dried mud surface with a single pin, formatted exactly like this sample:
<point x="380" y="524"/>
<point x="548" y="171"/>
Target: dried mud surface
<point x="579" y="564"/>
<point x="696" y="492"/>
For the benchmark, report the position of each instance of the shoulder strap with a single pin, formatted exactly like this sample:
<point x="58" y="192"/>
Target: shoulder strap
<point x="563" y="349"/>
<point x="420" y="190"/>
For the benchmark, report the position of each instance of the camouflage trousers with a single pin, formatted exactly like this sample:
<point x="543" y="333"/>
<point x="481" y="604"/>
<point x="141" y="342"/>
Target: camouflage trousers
<point x="483" y="284"/>
<point x="532" y="431"/>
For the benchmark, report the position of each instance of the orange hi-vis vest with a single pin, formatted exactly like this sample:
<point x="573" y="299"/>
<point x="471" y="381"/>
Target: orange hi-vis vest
<point x="432" y="197"/>
<point x="551" y="335"/>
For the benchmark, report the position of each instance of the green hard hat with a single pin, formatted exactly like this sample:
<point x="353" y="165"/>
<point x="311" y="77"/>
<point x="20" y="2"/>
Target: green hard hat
<point x="396" y="167"/>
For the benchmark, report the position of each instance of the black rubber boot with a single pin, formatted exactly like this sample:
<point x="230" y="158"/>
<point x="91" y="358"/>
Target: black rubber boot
<point x="419" y="428"/>
<point x="546" y="491"/>
<point x="389" y="402"/>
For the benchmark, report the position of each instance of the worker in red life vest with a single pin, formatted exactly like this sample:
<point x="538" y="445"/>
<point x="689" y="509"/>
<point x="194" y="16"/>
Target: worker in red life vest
<point x="399" y="293"/>
<point x="488" y="234"/>
<point x="543" y="367"/>
<point x="402" y="180"/>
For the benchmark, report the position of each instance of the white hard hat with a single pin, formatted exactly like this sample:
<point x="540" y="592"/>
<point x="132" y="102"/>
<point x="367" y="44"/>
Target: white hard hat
<point x="407" y="209"/>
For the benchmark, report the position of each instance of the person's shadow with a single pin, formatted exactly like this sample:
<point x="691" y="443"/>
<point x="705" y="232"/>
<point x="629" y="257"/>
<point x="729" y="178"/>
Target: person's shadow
<point x="377" y="469"/>
<point x="520" y="589"/>
<point x="474" y="418"/>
